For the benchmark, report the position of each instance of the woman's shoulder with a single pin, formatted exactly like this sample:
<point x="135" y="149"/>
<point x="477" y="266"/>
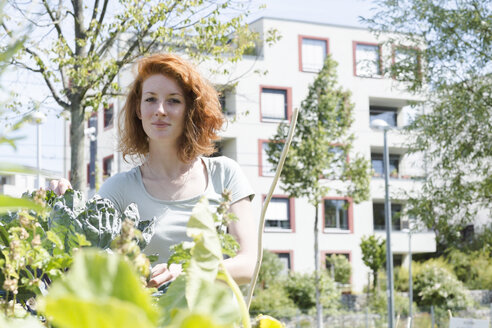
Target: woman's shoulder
<point x="120" y="181"/>
<point x="221" y="163"/>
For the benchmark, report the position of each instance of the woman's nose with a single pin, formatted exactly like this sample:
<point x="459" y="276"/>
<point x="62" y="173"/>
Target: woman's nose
<point x="161" y="109"/>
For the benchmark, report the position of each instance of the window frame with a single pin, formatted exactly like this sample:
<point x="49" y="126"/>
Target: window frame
<point x="392" y="216"/>
<point x="380" y="61"/>
<point x="104" y="165"/>
<point x="285" y="251"/>
<point x="325" y="253"/>
<point x="385" y="109"/>
<point x="308" y="37"/>
<point x="382" y="160"/>
<point x="291" y="215"/>
<point x="418" y="53"/>
<point x="288" y="104"/>
<point x="350" y="215"/>
<point x="260" y="157"/>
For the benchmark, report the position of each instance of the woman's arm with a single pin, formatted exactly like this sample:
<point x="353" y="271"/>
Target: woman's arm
<point x="242" y="266"/>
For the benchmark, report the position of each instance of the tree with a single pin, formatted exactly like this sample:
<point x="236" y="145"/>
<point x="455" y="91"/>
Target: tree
<point x="340" y="269"/>
<point x="78" y="49"/>
<point x="373" y="255"/>
<point x="270" y="270"/>
<point x="455" y="52"/>
<point x="319" y="151"/>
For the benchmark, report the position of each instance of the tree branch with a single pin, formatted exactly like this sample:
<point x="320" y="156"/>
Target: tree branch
<point x="99" y="23"/>
<point x="56" y="23"/>
<point x="50" y="85"/>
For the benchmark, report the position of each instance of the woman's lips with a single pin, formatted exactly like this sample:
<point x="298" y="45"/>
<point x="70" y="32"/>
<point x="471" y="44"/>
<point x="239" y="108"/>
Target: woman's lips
<point x="161" y="124"/>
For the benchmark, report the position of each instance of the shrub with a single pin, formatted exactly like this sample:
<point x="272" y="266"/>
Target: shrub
<point x="273" y="301"/>
<point x="271" y="268"/>
<point x="435" y="284"/>
<point x="378" y="303"/>
<point x="300" y="288"/>
<point x="474" y="269"/>
<point x="341" y="268"/>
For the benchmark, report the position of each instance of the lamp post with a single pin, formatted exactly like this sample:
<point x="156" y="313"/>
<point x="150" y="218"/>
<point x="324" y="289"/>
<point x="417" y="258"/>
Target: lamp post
<point x="383" y="125"/>
<point x="38" y="118"/>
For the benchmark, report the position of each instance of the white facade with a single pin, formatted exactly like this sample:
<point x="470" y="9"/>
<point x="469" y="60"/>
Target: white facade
<point x="256" y="102"/>
<point x="15" y="184"/>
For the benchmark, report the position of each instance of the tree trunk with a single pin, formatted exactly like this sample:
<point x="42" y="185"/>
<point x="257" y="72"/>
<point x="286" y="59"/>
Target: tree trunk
<point x="77" y="143"/>
<point x="374" y="280"/>
<point x="319" y="309"/>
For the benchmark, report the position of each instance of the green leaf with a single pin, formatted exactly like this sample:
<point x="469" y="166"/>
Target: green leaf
<point x="173" y="300"/>
<point x="55" y="239"/>
<point x="8" y="203"/>
<point x="99" y="280"/>
<point x="206" y="254"/>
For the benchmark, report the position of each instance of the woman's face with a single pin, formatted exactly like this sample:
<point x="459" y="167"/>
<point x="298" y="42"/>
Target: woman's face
<point x="162" y="108"/>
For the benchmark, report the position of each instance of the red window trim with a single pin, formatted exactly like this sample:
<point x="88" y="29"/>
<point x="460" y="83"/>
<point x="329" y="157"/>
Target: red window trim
<point x="350" y="212"/>
<point x="418" y="51"/>
<point x="292" y="217"/>
<point x="104" y="160"/>
<point x="289" y="102"/>
<point x="285" y="251"/>
<point x="354" y="59"/>
<point x="300" y="38"/>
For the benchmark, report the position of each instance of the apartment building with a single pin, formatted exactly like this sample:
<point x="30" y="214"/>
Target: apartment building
<point x="257" y="104"/>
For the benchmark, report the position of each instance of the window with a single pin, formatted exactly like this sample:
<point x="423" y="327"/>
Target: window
<point x="338" y="163"/>
<point x="336" y="268"/>
<point x="367" y="59"/>
<point x="336" y="214"/>
<point x="266" y="168"/>
<point x="406" y="63"/>
<point x="108" y="115"/>
<point x="313" y="52"/>
<point x="279" y="215"/>
<point x="107" y="166"/>
<point x="275" y="103"/>
<point x="6" y="180"/>
<point x="286" y="259"/>
<point x="387" y="114"/>
<point x="378" y="165"/>
<point x="378" y="215"/>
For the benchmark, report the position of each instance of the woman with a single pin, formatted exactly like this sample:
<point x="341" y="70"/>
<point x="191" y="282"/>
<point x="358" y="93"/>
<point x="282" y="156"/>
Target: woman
<point x="170" y="119"/>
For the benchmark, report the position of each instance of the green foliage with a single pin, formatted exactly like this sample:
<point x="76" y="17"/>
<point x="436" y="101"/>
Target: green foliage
<point x="474" y="269"/>
<point x="454" y="39"/>
<point x="324" y="120"/>
<point x="273" y="301"/>
<point x="435" y="284"/>
<point x="270" y="270"/>
<point x="300" y="289"/>
<point x="341" y="268"/>
<point x="373" y="255"/>
<point x="378" y="303"/>
<point x="89" y="47"/>
<point x="99" y="291"/>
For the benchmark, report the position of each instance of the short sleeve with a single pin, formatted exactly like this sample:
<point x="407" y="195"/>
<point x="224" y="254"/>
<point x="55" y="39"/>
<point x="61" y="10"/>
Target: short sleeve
<point x="112" y="189"/>
<point x="236" y="181"/>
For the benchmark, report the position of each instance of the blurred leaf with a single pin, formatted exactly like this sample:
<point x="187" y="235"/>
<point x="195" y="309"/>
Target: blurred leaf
<point x="99" y="289"/>
<point x="8" y="203"/>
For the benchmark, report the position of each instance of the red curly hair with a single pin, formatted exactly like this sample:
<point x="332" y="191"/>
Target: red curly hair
<point x="203" y="115"/>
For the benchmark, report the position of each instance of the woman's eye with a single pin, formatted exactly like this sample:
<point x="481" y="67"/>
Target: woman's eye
<point x="174" y="101"/>
<point x="150" y="99"/>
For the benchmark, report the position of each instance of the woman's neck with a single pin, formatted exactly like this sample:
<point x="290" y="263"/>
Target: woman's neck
<point x="163" y="162"/>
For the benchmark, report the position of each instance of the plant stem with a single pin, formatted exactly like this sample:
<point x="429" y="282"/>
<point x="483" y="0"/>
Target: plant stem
<point x="239" y="296"/>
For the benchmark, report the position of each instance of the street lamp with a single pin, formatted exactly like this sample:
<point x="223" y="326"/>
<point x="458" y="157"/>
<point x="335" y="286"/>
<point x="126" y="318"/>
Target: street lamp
<point x="38" y="118"/>
<point x="383" y="125"/>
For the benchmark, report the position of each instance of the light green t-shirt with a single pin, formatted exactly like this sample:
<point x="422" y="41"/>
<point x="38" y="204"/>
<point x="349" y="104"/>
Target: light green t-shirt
<point x="172" y="216"/>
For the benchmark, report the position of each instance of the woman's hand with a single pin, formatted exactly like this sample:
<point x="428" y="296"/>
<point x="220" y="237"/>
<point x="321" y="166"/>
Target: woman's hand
<point x="60" y="186"/>
<point x="161" y="274"/>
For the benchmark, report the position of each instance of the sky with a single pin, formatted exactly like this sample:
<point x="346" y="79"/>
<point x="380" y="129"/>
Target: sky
<point x="337" y="12"/>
